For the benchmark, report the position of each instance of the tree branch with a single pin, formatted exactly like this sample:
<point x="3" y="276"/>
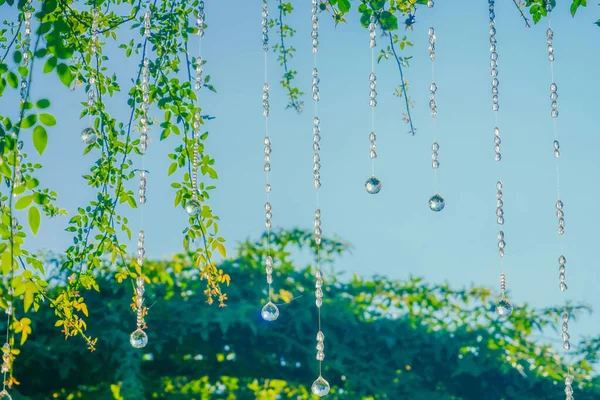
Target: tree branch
<point x="522" y="14"/>
<point x="413" y="130"/>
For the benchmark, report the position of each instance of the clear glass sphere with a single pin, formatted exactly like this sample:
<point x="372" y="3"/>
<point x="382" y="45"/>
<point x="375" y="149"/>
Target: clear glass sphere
<point x="4" y="395"/>
<point x="138" y="339"/>
<point x="437" y="203"/>
<point x="89" y="135"/>
<point x="504" y="308"/>
<point x="269" y="312"/>
<point x="193" y="207"/>
<point x="373" y="185"/>
<point x="320" y="387"/>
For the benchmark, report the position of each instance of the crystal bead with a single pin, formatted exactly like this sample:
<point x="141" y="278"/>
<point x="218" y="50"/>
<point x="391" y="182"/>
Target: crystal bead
<point x="320" y="355"/>
<point x="435" y="146"/>
<point x="138" y="339"/>
<point x="269" y="312"/>
<point x="319" y="302"/>
<point x="563" y="287"/>
<point x="320" y="387"/>
<point x="500" y="220"/>
<point x="435" y="164"/>
<point x="269" y="279"/>
<point x="562" y="260"/>
<point x="320" y="346"/>
<point x="268" y="188"/>
<point x="373" y="185"/>
<point x="89" y="135"/>
<point x="193" y="207"/>
<point x="437" y="203"/>
<point x="567" y="346"/>
<point x="4" y="395"/>
<point x="320" y="336"/>
<point x="504" y="308"/>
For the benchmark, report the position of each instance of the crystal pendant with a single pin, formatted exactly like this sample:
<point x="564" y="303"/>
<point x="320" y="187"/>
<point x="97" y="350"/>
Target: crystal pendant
<point x="437" y="203"/>
<point x="504" y="308"/>
<point x="89" y="135"/>
<point x="269" y="312"/>
<point x="373" y="185"/>
<point x="193" y="207"/>
<point x="138" y="339"/>
<point x="320" y="387"/>
<point x="4" y="395"/>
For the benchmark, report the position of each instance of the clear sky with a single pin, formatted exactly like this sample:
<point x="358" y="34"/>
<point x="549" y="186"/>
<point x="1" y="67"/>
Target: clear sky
<point x="393" y="233"/>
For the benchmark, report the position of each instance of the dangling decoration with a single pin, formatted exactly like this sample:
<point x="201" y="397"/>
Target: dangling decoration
<point x="504" y="307"/>
<point x="269" y="312"/>
<point x="373" y="185"/>
<point x="89" y="135"/>
<point x="320" y="386"/>
<point x="436" y="202"/>
<point x="139" y="338"/>
<point x="560" y="215"/>
<point x="193" y="206"/>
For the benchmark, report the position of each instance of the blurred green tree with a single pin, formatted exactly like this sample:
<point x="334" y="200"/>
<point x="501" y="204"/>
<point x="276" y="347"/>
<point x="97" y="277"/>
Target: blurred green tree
<point x="385" y="339"/>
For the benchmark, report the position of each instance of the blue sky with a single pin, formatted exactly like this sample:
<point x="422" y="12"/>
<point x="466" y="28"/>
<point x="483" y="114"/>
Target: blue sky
<point x="393" y="233"/>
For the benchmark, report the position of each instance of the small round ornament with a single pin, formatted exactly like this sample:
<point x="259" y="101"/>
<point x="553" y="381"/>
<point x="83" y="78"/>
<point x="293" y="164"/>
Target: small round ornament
<point x="89" y="135"/>
<point x="373" y="185"/>
<point x="269" y="312"/>
<point x="138" y="339"/>
<point x="504" y="308"/>
<point x="320" y="387"/>
<point x="193" y="207"/>
<point x="437" y="203"/>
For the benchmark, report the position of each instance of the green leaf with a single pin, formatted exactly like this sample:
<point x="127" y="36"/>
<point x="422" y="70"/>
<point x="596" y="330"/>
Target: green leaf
<point x="12" y="79"/>
<point x="388" y="21"/>
<point x="50" y="65"/>
<point x="344" y="6"/>
<point x="172" y="168"/>
<point x="597" y="22"/>
<point x="64" y="74"/>
<point x="34" y="219"/>
<point x="47" y="119"/>
<point x="17" y="57"/>
<point x="23" y="202"/>
<point x="40" y="138"/>
<point x="43" y="103"/>
<point x="3" y="68"/>
<point x="29" y="121"/>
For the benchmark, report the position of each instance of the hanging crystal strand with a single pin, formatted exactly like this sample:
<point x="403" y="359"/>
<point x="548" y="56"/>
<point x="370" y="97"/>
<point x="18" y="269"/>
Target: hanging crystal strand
<point x="562" y="261"/>
<point x="373" y="184"/>
<point x="436" y="202"/>
<point x="89" y="134"/>
<point x="504" y="307"/>
<point x="145" y="106"/>
<point x="147" y="26"/>
<point x="193" y="206"/>
<point x="320" y="386"/>
<point x="269" y="312"/>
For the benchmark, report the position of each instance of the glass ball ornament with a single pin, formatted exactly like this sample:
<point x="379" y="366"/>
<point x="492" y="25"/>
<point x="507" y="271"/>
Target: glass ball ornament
<point x="89" y="135"/>
<point x="192" y="207"/>
<point x="437" y="203"/>
<point x="269" y="312"/>
<point x="320" y="387"/>
<point x="373" y="185"/>
<point x="504" y="308"/>
<point x="138" y="339"/>
<point x="4" y="395"/>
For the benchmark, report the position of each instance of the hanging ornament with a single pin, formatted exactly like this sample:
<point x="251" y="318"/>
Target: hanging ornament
<point x="373" y="185"/>
<point x="436" y="202"/>
<point x="269" y="312"/>
<point x="192" y="206"/>
<point x="504" y="307"/>
<point x="89" y="135"/>
<point x="320" y="386"/>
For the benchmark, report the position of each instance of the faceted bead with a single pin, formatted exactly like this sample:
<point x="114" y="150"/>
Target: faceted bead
<point x="320" y="355"/>
<point x="269" y="312"/>
<point x="193" y="207"/>
<point x="435" y="146"/>
<point x="320" y="387"/>
<point x="320" y="336"/>
<point x="319" y="302"/>
<point x="269" y="279"/>
<point x="567" y="346"/>
<point x="435" y="164"/>
<point x="320" y="346"/>
<point x="373" y="185"/>
<point x="437" y="203"/>
<point x="504" y="308"/>
<point x="562" y="260"/>
<point x="563" y="287"/>
<point x="89" y="135"/>
<point x="138" y="339"/>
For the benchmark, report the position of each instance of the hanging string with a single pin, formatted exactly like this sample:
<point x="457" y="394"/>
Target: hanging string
<point x="562" y="261"/>
<point x="89" y="135"/>
<point x="139" y="338"/>
<point x="373" y="185"/>
<point x="504" y="307"/>
<point x="320" y="386"/>
<point x="436" y="202"/>
<point x="193" y="206"/>
<point x="269" y="312"/>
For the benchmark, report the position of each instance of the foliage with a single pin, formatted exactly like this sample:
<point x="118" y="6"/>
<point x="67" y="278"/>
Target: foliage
<point x="61" y="49"/>
<point x="383" y="339"/>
